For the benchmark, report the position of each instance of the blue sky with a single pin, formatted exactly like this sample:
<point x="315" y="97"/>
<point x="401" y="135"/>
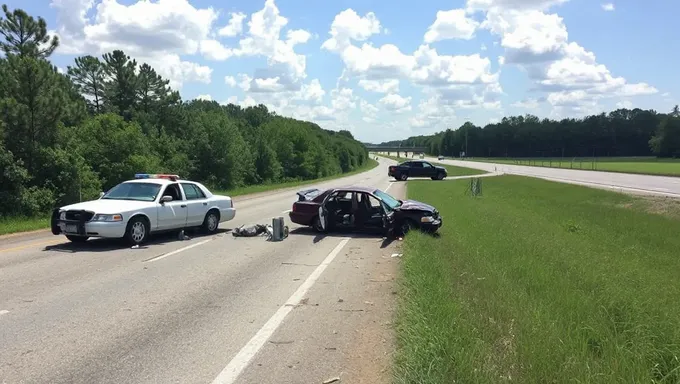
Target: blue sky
<point x="390" y="69"/>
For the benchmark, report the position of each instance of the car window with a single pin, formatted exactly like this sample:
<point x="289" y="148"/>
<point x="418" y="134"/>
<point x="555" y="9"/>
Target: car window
<point x="133" y="191"/>
<point x="192" y="192"/>
<point x="375" y="203"/>
<point x="417" y="164"/>
<point x="427" y="165"/>
<point x="173" y="190"/>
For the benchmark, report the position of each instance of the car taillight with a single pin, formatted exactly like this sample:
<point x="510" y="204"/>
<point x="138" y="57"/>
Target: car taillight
<point x="294" y="208"/>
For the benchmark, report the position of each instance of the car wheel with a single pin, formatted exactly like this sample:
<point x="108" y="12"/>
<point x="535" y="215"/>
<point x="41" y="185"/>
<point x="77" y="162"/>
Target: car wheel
<point x="211" y="222"/>
<point x="77" y="239"/>
<point x="406" y="227"/>
<point x="137" y="231"/>
<point x="440" y="176"/>
<point x="403" y="177"/>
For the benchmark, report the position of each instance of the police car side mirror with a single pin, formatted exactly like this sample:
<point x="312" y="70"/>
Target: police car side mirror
<point x="101" y="194"/>
<point x="166" y="199"/>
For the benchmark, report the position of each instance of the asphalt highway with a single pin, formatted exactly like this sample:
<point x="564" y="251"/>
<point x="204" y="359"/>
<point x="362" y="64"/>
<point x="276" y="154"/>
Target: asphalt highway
<point x="214" y="309"/>
<point x="622" y="182"/>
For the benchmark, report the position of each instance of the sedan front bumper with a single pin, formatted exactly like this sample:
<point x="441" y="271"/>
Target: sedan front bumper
<point x="432" y="226"/>
<point x="92" y="228"/>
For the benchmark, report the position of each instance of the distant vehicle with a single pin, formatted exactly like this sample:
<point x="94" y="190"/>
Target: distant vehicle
<point x="363" y="209"/>
<point x="417" y="168"/>
<point x="137" y="208"/>
<point x="441" y="157"/>
<point x="422" y="156"/>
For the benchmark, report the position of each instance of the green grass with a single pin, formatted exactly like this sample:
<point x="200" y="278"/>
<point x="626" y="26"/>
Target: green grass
<point x="15" y="225"/>
<point x="540" y="282"/>
<point x="22" y="224"/>
<point x="640" y="165"/>
<point x="451" y="170"/>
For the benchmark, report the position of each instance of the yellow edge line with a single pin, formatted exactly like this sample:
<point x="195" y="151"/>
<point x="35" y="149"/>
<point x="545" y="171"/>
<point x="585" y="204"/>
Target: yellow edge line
<point x="55" y="241"/>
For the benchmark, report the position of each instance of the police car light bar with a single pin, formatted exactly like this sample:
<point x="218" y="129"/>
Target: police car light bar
<point x="156" y="176"/>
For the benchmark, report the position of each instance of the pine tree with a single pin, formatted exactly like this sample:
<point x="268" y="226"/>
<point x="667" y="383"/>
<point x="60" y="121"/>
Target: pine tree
<point x="25" y="36"/>
<point x="88" y="75"/>
<point x="121" y="83"/>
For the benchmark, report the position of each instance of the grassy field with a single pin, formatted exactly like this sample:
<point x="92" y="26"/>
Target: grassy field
<point x="641" y="165"/>
<point x="15" y="225"/>
<point x="451" y="170"/>
<point x="540" y="282"/>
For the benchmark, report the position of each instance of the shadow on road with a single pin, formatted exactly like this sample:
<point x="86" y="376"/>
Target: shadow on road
<point x="316" y="237"/>
<point x="105" y="245"/>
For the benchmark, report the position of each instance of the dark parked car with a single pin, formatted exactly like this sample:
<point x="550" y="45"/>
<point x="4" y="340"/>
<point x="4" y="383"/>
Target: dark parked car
<point x="362" y="209"/>
<point x="416" y="168"/>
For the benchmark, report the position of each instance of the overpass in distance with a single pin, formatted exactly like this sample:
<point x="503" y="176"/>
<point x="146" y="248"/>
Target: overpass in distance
<point x="397" y="150"/>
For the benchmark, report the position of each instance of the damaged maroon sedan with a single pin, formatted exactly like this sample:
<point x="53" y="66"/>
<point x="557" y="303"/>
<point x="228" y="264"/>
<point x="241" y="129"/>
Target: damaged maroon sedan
<point x="362" y="209"/>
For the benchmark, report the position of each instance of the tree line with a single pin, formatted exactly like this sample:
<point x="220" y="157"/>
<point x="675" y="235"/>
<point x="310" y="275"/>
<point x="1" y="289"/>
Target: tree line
<point x="623" y="132"/>
<point x="64" y="137"/>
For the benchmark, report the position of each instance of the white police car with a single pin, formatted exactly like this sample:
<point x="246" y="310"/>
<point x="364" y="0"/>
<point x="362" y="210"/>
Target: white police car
<point x="137" y="208"/>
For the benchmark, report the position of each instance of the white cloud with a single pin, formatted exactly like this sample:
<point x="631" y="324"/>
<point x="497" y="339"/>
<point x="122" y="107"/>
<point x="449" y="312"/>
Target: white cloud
<point x="348" y="25"/>
<point x="609" y="7"/>
<point x="235" y="25"/>
<point x="264" y="39"/>
<point x="153" y="32"/>
<point x="312" y="91"/>
<point x="204" y="97"/>
<point x="384" y="86"/>
<point x="530" y="103"/>
<point x="271" y="84"/>
<point x="230" y="81"/>
<point x="538" y="43"/>
<point x="343" y="99"/>
<point x="483" y="5"/>
<point x="626" y="104"/>
<point x="395" y="103"/>
<point x="214" y="50"/>
<point x="453" y="24"/>
<point x="368" y="108"/>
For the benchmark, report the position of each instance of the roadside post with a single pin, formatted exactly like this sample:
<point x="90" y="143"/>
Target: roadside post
<point x="475" y="188"/>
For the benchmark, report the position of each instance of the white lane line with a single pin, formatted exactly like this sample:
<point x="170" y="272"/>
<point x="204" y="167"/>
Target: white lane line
<point x="231" y="372"/>
<point x="388" y="187"/>
<point x="163" y="256"/>
<point x="288" y="211"/>
<point x="4" y="312"/>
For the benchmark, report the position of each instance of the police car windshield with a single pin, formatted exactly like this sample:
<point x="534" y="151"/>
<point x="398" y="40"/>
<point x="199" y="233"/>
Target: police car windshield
<point x="133" y="191"/>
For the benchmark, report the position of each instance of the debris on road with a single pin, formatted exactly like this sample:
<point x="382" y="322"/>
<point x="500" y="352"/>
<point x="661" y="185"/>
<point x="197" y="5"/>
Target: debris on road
<point x="332" y="380"/>
<point x="397" y="254"/>
<point x="263" y="230"/>
<point x="183" y="236"/>
<point x="136" y="246"/>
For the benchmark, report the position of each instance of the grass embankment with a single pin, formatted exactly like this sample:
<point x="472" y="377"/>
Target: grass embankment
<point x="15" y="225"/>
<point x="540" y="282"/>
<point x="451" y="170"/>
<point x="639" y="165"/>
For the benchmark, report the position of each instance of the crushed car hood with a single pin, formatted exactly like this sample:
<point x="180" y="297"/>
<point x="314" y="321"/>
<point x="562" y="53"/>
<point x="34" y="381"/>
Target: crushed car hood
<point x="412" y="205"/>
<point x="110" y="206"/>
